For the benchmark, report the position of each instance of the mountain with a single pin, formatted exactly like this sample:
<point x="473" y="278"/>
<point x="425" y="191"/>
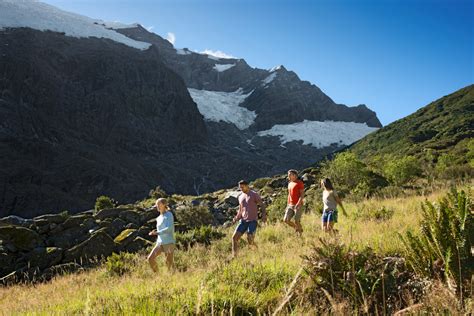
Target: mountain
<point x="89" y="107"/>
<point x="440" y="127"/>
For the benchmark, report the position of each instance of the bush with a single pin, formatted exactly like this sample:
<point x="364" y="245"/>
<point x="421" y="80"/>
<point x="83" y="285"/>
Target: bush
<point x="260" y="183"/>
<point x="370" y="283"/>
<point x="349" y="174"/>
<point x="276" y="209"/>
<point x="202" y="235"/>
<point x="400" y="171"/>
<point x="120" y="264"/>
<point x="157" y="193"/>
<point x="103" y="202"/>
<point x="190" y="217"/>
<point x="443" y="247"/>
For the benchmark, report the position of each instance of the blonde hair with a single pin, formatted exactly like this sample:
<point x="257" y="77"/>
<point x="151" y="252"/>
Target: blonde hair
<point x="162" y="201"/>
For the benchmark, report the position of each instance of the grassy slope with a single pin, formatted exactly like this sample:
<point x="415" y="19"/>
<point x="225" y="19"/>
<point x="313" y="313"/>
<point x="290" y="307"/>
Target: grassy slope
<point x="439" y="127"/>
<point x="256" y="281"/>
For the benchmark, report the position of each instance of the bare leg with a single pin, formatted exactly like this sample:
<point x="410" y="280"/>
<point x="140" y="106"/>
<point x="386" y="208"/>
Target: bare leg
<point x="251" y="240"/>
<point x="235" y="243"/>
<point x="170" y="260"/>
<point x="298" y="228"/>
<point x="152" y="257"/>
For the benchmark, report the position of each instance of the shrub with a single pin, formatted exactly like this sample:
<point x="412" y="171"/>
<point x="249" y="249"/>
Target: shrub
<point x="103" y="202"/>
<point x="260" y="183"/>
<point x="120" y="264"/>
<point x="157" y="193"/>
<point x="202" y="235"/>
<point x="400" y="171"/>
<point x="193" y="216"/>
<point x="371" y="283"/>
<point x="443" y="247"/>
<point x="276" y="209"/>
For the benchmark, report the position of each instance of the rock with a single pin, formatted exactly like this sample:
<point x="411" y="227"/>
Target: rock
<point x="143" y="232"/>
<point x="89" y="224"/>
<point x="137" y="244"/>
<point x="108" y="213"/>
<point x="232" y="198"/>
<point x="76" y="220"/>
<point x="115" y="227"/>
<point x="68" y="238"/>
<point x="42" y="229"/>
<point x="97" y="246"/>
<point x="278" y="183"/>
<point x="131" y="226"/>
<point x="147" y="215"/>
<point x="44" y="257"/>
<point x="15" y="220"/>
<point x="6" y="263"/>
<point x="130" y="216"/>
<point x="125" y="237"/>
<point x="49" y="218"/>
<point x="308" y="179"/>
<point x="21" y="237"/>
<point x="60" y="269"/>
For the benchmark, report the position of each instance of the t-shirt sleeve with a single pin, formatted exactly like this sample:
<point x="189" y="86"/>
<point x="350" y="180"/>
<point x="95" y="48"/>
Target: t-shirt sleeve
<point x="258" y="198"/>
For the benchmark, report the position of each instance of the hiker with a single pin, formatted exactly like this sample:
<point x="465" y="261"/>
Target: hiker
<point x="330" y="201"/>
<point x="249" y="201"/>
<point x="295" y="201"/>
<point x="165" y="241"/>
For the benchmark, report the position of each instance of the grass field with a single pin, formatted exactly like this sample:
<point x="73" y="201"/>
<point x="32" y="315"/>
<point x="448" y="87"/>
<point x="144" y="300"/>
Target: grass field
<point x="207" y="280"/>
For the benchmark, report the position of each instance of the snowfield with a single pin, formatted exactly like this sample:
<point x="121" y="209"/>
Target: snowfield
<point x="320" y="134"/>
<point x="222" y="67"/>
<point x="41" y="16"/>
<point x="224" y="106"/>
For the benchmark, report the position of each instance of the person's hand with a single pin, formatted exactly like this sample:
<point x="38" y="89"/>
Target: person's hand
<point x="153" y="233"/>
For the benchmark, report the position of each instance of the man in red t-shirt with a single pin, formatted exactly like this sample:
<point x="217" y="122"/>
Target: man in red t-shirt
<point x="295" y="201"/>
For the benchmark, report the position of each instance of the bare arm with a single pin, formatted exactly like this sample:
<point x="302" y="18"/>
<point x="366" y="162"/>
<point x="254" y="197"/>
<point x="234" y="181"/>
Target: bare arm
<point x="239" y="214"/>
<point x="339" y="201"/>
<point x="300" y="200"/>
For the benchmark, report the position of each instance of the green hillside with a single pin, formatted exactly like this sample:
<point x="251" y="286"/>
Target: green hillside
<point x="442" y="126"/>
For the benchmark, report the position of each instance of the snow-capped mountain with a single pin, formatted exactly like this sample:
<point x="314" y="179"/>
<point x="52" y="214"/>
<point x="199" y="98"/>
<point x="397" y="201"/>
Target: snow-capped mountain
<point x="89" y="107"/>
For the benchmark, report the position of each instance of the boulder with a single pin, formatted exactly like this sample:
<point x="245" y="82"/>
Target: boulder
<point x="15" y="220"/>
<point x="6" y="263"/>
<point x="130" y="216"/>
<point x="68" y="238"/>
<point x="108" y="213"/>
<point x="148" y="215"/>
<point x="232" y="198"/>
<point x="95" y="247"/>
<point x="49" y="219"/>
<point x="125" y="237"/>
<point x="60" y="269"/>
<point x="308" y="179"/>
<point x="21" y="237"/>
<point x="137" y="244"/>
<point x="115" y="227"/>
<point x="281" y="182"/>
<point x="43" y="257"/>
<point x="76" y="220"/>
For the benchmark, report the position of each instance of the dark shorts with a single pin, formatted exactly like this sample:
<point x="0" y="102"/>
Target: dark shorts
<point x="247" y="227"/>
<point x="329" y="216"/>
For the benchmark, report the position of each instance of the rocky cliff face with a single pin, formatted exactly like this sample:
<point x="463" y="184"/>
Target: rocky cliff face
<point x="83" y="116"/>
<point x="87" y="110"/>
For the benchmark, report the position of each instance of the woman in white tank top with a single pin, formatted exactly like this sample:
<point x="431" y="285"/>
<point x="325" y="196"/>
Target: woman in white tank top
<point x="330" y="201"/>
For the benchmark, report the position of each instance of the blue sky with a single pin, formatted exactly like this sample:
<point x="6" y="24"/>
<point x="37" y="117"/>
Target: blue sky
<point x="394" y="56"/>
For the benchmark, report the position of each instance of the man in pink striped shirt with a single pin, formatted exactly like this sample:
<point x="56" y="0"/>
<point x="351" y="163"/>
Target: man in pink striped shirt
<point x="249" y="201"/>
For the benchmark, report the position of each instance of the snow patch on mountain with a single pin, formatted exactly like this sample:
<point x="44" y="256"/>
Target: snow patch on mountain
<point x="222" y="67"/>
<point x="42" y="16"/>
<point x="219" y="106"/>
<point x="269" y="79"/>
<point x="181" y="51"/>
<point x="116" y="25"/>
<point x="276" y="68"/>
<point x="320" y="134"/>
